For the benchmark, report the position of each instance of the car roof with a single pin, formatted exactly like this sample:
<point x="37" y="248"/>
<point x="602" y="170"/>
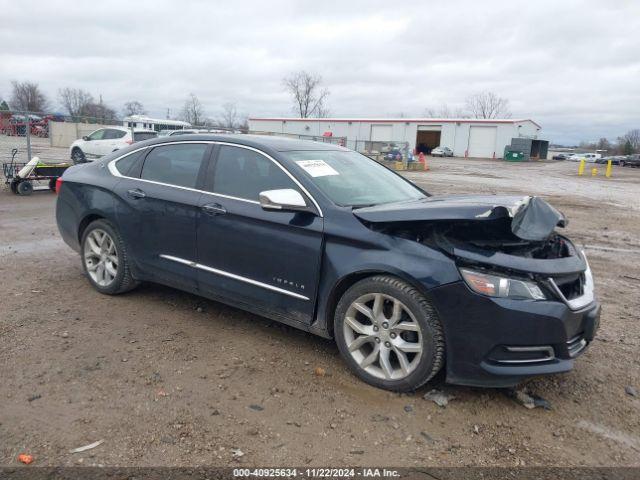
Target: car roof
<point x="279" y="144"/>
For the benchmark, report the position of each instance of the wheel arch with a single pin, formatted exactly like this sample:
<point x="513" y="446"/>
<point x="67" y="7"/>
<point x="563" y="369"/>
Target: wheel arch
<point x="347" y="281"/>
<point x="84" y="223"/>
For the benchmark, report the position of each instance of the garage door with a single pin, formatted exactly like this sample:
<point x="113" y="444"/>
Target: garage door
<point x="482" y="142"/>
<point x="381" y="133"/>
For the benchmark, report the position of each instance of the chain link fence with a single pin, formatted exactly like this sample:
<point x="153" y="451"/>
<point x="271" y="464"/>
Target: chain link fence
<point x="48" y="136"/>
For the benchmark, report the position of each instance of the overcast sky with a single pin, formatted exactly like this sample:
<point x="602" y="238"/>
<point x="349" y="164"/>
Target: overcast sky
<point x="572" y="66"/>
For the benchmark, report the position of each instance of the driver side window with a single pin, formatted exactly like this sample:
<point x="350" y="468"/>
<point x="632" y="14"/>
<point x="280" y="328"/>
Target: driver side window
<point x="97" y="135"/>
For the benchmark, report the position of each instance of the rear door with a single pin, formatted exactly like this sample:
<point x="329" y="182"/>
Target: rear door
<point x="113" y="140"/>
<point x="262" y="260"/>
<point x="159" y="208"/>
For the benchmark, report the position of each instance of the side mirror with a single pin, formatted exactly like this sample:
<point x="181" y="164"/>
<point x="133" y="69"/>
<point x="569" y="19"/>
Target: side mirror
<point x="286" y="199"/>
<point x="86" y="139"/>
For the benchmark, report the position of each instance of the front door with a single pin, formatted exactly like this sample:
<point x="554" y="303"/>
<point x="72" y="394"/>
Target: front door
<point x="261" y="260"/>
<point x="94" y="146"/>
<point x="158" y="210"/>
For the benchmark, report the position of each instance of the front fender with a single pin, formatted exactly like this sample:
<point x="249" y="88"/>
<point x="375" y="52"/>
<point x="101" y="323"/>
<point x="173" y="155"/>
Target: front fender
<point x="344" y="264"/>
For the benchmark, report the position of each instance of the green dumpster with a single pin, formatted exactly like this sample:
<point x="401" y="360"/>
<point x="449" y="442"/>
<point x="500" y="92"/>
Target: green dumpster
<point x="514" y="156"/>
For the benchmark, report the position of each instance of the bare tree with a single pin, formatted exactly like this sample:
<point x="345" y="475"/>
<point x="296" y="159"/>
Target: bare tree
<point x="307" y="94"/>
<point x="75" y="100"/>
<point x="604" y="144"/>
<point x="27" y="97"/>
<point x="243" y="124"/>
<point x="100" y="112"/>
<point x="229" y="116"/>
<point x="444" y="111"/>
<point x="133" y="107"/>
<point x="488" y="105"/>
<point x="630" y="140"/>
<point x="193" y="112"/>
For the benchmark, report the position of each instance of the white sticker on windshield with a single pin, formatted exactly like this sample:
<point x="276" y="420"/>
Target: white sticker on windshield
<point x="317" y="168"/>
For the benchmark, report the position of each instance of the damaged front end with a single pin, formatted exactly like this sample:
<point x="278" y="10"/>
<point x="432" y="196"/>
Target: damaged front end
<point x="503" y="246"/>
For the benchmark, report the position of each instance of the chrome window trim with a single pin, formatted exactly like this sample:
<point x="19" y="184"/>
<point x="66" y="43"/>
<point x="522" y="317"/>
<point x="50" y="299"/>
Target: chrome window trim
<point x="114" y="171"/>
<point x="234" y="276"/>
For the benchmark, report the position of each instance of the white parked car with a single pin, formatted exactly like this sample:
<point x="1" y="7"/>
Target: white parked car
<point x="104" y="141"/>
<point x="442" y="152"/>
<point x="588" y="157"/>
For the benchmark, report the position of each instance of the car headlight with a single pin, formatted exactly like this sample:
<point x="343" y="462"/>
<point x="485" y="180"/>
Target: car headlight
<point x="499" y="286"/>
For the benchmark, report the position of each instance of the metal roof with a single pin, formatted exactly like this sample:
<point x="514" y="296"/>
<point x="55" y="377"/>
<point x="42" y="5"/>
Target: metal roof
<point x="397" y="120"/>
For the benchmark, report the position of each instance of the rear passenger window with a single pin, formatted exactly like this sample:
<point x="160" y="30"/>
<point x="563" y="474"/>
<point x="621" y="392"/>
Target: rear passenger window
<point x="174" y="164"/>
<point x="112" y="134"/>
<point x="142" y="136"/>
<point x="131" y="165"/>
<point x="243" y="173"/>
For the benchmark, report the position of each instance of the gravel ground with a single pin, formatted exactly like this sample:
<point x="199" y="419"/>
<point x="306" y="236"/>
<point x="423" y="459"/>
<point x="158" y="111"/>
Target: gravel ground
<point x="168" y="378"/>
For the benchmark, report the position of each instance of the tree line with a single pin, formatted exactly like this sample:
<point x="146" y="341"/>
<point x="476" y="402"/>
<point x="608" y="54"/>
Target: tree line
<point x="308" y="96"/>
<point x="80" y="104"/>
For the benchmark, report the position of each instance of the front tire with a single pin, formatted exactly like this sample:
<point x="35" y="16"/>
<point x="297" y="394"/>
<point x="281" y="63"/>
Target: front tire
<point x="104" y="259"/>
<point x="77" y="156"/>
<point x="389" y="334"/>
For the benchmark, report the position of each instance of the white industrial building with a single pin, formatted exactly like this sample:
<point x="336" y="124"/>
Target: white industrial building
<point x="466" y="137"/>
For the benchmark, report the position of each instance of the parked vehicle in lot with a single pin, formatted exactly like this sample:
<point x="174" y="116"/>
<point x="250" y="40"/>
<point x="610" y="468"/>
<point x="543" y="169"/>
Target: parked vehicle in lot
<point x="630" y="161"/>
<point x="106" y="140"/>
<point x="327" y="240"/>
<point x="560" y="156"/>
<point x="615" y="160"/>
<point x="394" y="154"/>
<point x="587" y="157"/>
<point x="442" y="152"/>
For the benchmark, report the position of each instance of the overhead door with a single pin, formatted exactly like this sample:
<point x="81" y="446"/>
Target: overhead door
<point x="381" y="133"/>
<point x="482" y="142"/>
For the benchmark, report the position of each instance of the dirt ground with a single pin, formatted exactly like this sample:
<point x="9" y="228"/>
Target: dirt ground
<point x="168" y="378"/>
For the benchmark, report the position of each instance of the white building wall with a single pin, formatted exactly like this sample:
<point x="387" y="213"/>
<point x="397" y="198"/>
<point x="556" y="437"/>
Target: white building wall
<point x="454" y="134"/>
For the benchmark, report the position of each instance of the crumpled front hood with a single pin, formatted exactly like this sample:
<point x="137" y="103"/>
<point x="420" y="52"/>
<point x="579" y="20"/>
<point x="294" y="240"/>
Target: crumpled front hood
<point x="533" y="218"/>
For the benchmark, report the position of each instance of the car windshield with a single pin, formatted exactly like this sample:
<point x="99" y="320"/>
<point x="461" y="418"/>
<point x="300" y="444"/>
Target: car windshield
<point x="351" y="179"/>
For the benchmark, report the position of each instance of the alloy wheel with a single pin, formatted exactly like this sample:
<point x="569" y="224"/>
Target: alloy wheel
<point x="77" y="156"/>
<point x="101" y="257"/>
<point x="383" y="336"/>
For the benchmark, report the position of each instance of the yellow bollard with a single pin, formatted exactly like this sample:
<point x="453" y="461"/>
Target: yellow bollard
<point x="581" y="167"/>
<point x="594" y="171"/>
<point x="609" y="167"/>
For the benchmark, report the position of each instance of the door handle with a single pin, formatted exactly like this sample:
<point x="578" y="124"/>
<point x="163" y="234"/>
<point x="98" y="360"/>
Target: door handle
<point x="136" y="193"/>
<point x="214" y="209"/>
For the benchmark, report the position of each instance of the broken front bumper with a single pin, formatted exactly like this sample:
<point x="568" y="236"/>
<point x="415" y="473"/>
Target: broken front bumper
<point x="498" y="342"/>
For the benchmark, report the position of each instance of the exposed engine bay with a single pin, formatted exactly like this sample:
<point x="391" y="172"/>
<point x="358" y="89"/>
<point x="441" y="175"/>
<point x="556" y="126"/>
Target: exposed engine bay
<point x="494" y="236"/>
<point x="508" y="232"/>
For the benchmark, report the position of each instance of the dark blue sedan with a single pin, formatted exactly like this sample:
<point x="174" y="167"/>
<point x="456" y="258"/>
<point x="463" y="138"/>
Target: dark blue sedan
<point x="329" y="241"/>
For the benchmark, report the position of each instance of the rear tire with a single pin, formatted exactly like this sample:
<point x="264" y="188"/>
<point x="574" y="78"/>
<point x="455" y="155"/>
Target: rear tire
<point x="105" y="260"/>
<point x="389" y="334"/>
<point x="25" y="187"/>
<point x="52" y="185"/>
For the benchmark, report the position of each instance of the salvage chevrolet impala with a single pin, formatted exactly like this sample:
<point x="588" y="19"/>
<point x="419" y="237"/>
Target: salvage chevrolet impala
<point x="327" y="240"/>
